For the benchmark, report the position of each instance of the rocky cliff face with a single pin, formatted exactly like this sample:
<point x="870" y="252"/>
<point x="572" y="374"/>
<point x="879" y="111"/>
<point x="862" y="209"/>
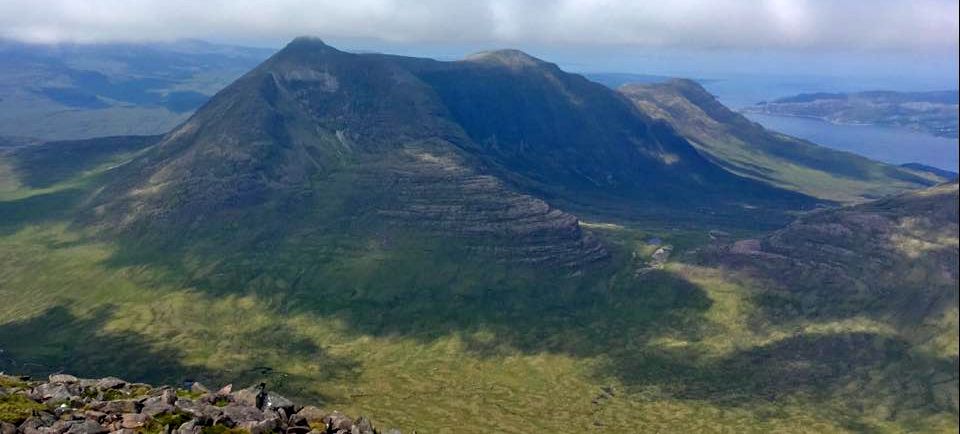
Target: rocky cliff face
<point x="68" y="405"/>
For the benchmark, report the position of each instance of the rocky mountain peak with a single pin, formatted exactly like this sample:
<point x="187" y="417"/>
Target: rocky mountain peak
<point x="308" y="42"/>
<point x="507" y="57"/>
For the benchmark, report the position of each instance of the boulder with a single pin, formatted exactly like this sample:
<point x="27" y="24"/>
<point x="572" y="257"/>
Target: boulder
<point x="37" y="421"/>
<point x="134" y="420"/>
<point x="238" y="414"/>
<point x="280" y="416"/>
<point x="277" y="402"/>
<point x="155" y="409"/>
<point x="86" y="427"/>
<point x="55" y="392"/>
<point x="312" y="414"/>
<point x="337" y="421"/>
<point x="101" y="384"/>
<point x="298" y="420"/>
<point x="94" y="415"/>
<point x="203" y="412"/>
<point x="7" y="428"/>
<point x="63" y="378"/>
<point x="110" y="383"/>
<point x="61" y="426"/>
<point x="260" y="427"/>
<point x="254" y="396"/>
<point x="169" y="396"/>
<point x="119" y="406"/>
<point x="156" y="405"/>
<point x="362" y="426"/>
<point x="190" y="427"/>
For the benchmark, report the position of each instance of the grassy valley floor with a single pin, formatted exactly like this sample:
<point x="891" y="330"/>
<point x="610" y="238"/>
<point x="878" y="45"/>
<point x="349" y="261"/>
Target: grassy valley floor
<point x="636" y="345"/>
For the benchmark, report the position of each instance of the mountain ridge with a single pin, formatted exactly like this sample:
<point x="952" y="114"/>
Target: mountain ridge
<point x="747" y="148"/>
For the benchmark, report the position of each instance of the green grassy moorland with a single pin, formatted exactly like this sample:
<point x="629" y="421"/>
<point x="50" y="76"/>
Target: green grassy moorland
<point x="414" y="333"/>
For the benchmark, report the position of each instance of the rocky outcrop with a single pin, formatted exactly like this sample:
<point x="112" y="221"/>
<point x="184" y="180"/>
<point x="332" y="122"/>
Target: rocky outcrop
<point x="65" y="404"/>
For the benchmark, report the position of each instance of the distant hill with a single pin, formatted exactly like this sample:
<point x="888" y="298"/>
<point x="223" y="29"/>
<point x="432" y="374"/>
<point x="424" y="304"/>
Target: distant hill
<point x="934" y="112"/>
<point x="945" y="174"/>
<point x="75" y="91"/>
<point x="749" y="149"/>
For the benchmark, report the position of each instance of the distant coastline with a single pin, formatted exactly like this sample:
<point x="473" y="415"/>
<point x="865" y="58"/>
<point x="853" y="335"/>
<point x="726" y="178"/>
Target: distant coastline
<point x="890" y="144"/>
<point x="934" y="113"/>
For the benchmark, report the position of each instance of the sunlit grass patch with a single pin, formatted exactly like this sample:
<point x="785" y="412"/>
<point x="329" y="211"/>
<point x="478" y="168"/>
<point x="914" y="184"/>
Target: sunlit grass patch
<point x="15" y="408"/>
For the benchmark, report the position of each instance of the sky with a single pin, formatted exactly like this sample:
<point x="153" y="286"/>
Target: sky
<point x="917" y="38"/>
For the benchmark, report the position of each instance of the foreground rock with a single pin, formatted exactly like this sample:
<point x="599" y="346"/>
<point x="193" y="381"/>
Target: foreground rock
<point x="65" y="404"/>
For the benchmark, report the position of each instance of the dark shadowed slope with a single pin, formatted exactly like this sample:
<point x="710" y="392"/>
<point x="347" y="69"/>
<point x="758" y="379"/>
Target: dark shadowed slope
<point x="749" y="149"/>
<point x="582" y="144"/>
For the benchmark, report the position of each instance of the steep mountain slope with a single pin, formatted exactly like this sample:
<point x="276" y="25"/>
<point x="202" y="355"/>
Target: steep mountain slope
<point x="750" y="150"/>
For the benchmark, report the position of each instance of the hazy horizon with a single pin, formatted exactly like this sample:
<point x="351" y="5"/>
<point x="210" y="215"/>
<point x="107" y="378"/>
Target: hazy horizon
<point x="894" y="44"/>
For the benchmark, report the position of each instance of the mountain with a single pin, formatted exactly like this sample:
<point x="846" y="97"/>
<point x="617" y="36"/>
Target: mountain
<point x="934" y="112"/>
<point x="75" y="91"/>
<point x="748" y="149"/>
<point x="315" y="140"/>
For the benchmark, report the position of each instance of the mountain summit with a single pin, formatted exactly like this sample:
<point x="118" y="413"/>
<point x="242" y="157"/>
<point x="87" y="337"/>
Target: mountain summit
<point x="506" y="57"/>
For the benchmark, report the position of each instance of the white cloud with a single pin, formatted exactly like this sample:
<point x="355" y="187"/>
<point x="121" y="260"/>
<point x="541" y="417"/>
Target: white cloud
<point x="889" y="25"/>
